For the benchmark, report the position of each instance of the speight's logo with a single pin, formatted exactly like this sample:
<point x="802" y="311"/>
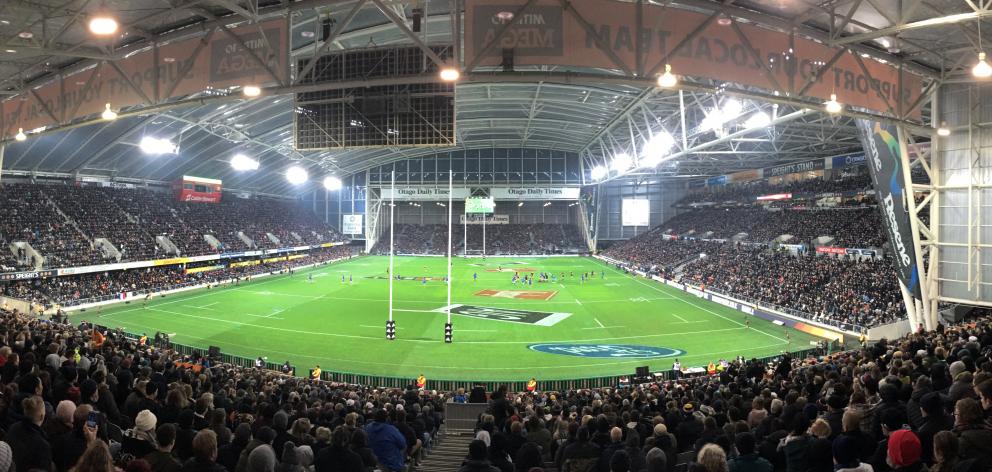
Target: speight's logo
<point x="608" y="351"/>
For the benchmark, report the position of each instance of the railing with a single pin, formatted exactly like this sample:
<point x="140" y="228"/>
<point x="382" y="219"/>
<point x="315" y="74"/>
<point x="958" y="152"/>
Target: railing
<point x="381" y="381"/>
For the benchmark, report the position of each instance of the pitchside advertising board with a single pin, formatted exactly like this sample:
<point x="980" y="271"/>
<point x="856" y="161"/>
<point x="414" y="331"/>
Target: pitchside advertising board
<point x="351" y="224"/>
<point x="535" y="193"/>
<point x="883" y="151"/>
<point x="544" y="33"/>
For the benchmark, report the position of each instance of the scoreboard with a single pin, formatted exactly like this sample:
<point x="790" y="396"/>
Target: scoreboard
<point x="197" y="189"/>
<point x="479" y="205"/>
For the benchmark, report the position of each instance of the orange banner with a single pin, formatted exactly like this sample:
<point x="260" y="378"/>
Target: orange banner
<point x="547" y="35"/>
<point x="221" y="62"/>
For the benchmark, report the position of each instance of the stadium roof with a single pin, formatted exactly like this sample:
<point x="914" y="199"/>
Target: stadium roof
<point x="543" y="107"/>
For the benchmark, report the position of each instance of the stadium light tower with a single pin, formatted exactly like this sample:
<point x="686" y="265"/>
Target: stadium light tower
<point x="332" y="183"/>
<point x="297" y="175"/>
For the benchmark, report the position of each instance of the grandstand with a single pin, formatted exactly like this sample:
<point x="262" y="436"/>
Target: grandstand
<point x="586" y="236"/>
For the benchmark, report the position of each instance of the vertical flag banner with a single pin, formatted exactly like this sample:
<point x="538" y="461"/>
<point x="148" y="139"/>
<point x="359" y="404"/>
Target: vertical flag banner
<point x="882" y="148"/>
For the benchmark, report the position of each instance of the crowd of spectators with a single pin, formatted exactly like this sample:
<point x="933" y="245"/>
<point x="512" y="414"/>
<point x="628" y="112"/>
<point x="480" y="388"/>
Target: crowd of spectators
<point x="750" y="191"/>
<point x="72" y="289"/>
<point x="29" y="216"/>
<point x="834" y="290"/>
<point x="61" y="222"/>
<point x="73" y="400"/>
<point x="75" y="403"/>
<point x="850" y="227"/>
<point x="919" y="403"/>
<point x="499" y="239"/>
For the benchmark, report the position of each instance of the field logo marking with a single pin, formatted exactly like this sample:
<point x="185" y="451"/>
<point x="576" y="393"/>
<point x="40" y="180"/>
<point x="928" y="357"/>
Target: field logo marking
<point x="539" y="318"/>
<point x="518" y="294"/>
<point x="638" y="299"/>
<point x="610" y="351"/>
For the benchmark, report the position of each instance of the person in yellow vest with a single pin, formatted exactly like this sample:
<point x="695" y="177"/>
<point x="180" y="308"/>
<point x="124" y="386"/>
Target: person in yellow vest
<point x="532" y="385"/>
<point x="711" y="369"/>
<point x="143" y="339"/>
<point x="421" y="382"/>
<point x="315" y="373"/>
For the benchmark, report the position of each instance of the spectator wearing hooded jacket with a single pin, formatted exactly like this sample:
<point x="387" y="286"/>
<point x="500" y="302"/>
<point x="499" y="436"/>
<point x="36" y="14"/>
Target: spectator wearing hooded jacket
<point x="388" y="445"/>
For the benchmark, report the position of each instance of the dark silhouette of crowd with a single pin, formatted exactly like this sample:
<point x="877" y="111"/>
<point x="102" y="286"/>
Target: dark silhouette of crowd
<point x="63" y="222"/>
<point x="498" y="239"/>
<point x="849" y="227"/>
<point x="89" y="399"/>
<point x="919" y="403"/>
<point x="75" y="289"/>
<point x="750" y="191"/>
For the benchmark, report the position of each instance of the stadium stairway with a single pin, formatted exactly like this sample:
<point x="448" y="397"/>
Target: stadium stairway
<point x="447" y="454"/>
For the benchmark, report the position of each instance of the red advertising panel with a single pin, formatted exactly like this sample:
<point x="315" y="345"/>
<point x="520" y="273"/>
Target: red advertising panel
<point x="831" y="250"/>
<point x="197" y="189"/>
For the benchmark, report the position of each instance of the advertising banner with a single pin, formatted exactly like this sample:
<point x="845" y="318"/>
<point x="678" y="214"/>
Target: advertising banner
<point x="794" y="167"/>
<point x="39" y="274"/>
<point x="850" y="160"/>
<point x="423" y="193"/>
<point x="831" y="250"/>
<point x="547" y="34"/>
<point x="185" y="67"/>
<point x="478" y="219"/>
<point x="351" y="224"/>
<point x="883" y="150"/>
<point x="534" y="193"/>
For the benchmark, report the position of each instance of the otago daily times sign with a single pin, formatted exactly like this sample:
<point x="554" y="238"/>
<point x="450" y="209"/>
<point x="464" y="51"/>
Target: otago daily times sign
<point x="546" y="34"/>
<point x="154" y="75"/>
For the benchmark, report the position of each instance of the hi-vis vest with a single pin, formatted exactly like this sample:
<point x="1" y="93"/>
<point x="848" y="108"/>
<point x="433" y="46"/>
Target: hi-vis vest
<point x="421" y="382"/>
<point x="711" y="369"/>
<point x="531" y="385"/>
<point x="315" y="374"/>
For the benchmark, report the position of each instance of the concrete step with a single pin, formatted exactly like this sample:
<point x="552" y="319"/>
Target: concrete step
<point x="447" y="453"/>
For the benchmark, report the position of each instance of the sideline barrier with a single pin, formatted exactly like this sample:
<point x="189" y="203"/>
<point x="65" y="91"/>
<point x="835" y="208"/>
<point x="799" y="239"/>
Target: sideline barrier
<point x="380" y="381"/>
<point x="461" y="417"/>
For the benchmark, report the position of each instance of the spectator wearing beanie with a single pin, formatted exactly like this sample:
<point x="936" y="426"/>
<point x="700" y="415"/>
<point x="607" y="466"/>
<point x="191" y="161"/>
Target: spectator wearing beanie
<point x="845" y="449"/>
<point x="204" y="453"/>
<point x="581" y="454"/>
<point x="748" y="459"/>
<point x="974" y="436"/>
<point x="360" y="445"/>
<point x="338" y="457"/>
<point x="140" y="440"/>
<point x="264" y="437"/>
<point x="290" y="461"/>
<point x="262" y="459"/>
<point x="161" y="459"/>
<point x="230" y="452"/>
<point x="6" y="458"/>
<point x="934" y="421"/>
<point x="477" y="458"/>
<point x="905" y="453"/>
<point x="527" y="457"/>
<point x="388" y="445"/>
<point x="656" y="461"/>
<point x="621" y="463"/>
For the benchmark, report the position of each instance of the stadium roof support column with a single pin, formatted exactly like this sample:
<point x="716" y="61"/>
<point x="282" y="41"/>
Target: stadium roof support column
<point x="918" y="309"/>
